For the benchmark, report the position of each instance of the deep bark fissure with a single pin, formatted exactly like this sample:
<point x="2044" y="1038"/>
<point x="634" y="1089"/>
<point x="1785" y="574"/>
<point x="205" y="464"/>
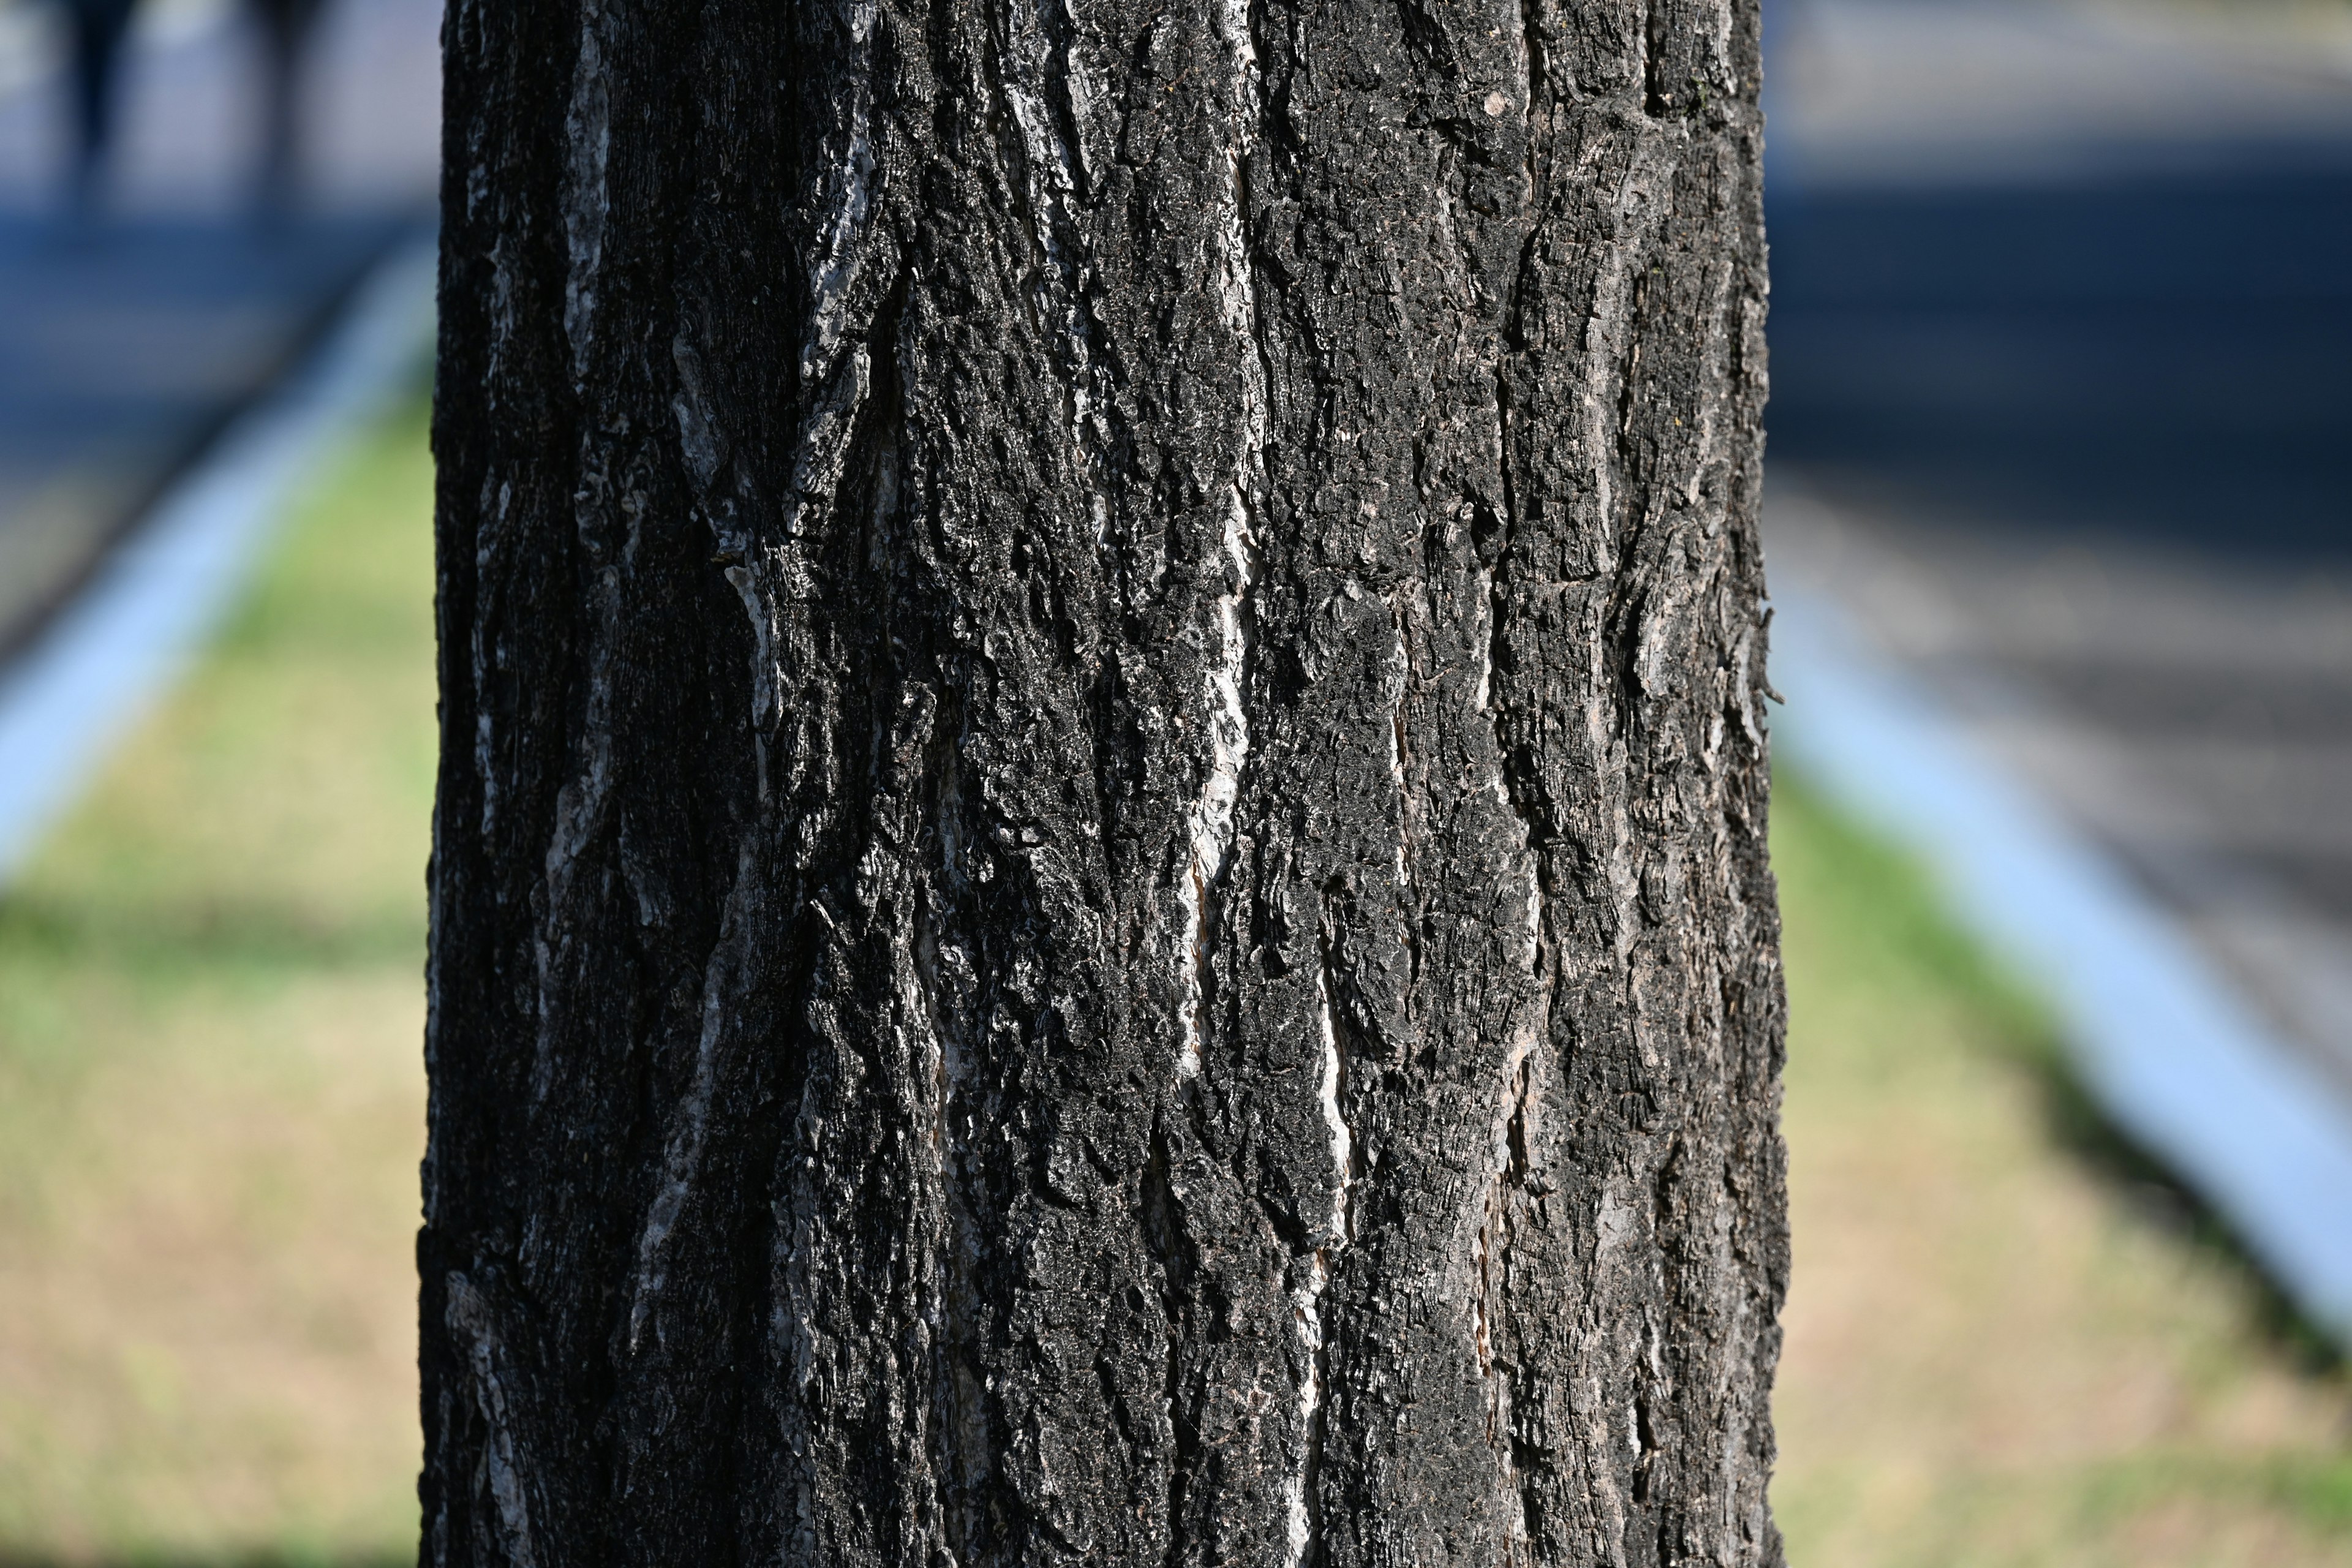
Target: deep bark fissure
<point x="1176" y="1263"/>
<point x="1332" y="1093"/>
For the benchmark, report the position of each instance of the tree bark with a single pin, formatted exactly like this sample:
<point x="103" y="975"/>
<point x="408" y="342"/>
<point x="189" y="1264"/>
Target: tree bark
<point x="1099" y="890"/>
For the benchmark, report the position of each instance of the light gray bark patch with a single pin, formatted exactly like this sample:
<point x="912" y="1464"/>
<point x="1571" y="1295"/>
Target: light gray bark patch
<point x="502" y="1472"/>
<point x="588" y="131"/>
<point x="724" y="992"/>
<point x="699" y="437"/>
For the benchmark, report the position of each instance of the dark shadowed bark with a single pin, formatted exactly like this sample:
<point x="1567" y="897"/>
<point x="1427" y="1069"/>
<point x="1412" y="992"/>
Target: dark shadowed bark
<point x="1100" y="888"/>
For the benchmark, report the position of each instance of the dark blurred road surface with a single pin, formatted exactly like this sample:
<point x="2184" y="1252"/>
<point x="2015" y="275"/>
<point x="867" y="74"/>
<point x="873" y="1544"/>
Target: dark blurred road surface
<point x="126" y="341"/>
<point x="2061" y="413"/>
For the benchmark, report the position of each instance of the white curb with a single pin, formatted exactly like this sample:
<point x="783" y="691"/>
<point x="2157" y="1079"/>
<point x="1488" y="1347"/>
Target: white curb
<point x="109" y="656"/>
<point x="2162" y="1042"/>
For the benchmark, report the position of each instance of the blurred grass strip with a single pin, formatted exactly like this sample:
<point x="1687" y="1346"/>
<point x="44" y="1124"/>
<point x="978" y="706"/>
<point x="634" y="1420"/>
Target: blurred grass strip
<point x="211" y="1094"/>
<point x="2007" y="1342"/>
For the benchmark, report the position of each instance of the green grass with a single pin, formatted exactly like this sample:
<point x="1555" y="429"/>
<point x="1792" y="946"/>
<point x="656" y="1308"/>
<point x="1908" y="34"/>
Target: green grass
<point x="210" y="1088"/>
<point x="2007" y="1342"/>
<point x="2007" y="1345"/>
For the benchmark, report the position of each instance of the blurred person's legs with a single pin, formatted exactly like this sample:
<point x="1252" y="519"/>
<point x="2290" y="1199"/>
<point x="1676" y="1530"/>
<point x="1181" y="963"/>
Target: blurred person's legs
<point x="286" y="26"/>
<point x="98" y="27"/>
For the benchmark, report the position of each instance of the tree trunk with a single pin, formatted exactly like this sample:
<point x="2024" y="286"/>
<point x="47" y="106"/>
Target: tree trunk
<point x="1099" y="888"/>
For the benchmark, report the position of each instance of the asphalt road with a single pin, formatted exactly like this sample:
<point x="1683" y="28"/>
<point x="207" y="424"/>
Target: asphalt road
<point x="126" y="341"/>
<point x="2061" y="316"/>
<point x="2155" y="356"/>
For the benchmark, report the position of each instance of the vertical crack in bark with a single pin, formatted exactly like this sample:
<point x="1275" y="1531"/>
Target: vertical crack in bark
<point x="1211" y="824"/>
<point x="1514" y="1137"/>
<point x="1306" y="1523"/>
<point x="1054" y="173"/>
<point x="768" y="575"/>
<point x="468" y="1317"/>
<point x="582" y="804"/>
<point x="833" y="269"/>
<point x="1172" y="1248"/>
<point x="704" y="444"/>
<point x="1396" y="762"/>
<point x="1509" y="1188"/>
<point x="689" y="1123"/>
<point x="579" y="811"/>
<point x="588" y="138"/>
<point x="1657" y="91"/>
<point x="1481" y="695"/>
<point x="946" y="1425"/>
<point x="1507" y="785"/>
<point x="1330" y="1093"/>
<point x="481" y="637"/>
<point x="927" y="1003"/>
<point x="1531" y="66"/>
<point x="1302" y="1492"/>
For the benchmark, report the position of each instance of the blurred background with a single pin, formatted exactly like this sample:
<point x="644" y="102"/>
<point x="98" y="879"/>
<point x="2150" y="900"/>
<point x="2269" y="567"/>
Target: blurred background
<point x="251" y="158"/>
<point x="2059" y="526"/>
<point x="211" y="1097"/>
<point x="2061" y="342"/>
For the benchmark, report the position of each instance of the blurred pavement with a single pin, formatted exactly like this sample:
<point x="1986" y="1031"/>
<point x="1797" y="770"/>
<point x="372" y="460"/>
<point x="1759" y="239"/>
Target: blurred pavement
<point x="2061" y="417"/>
<point x="126" y="343"/>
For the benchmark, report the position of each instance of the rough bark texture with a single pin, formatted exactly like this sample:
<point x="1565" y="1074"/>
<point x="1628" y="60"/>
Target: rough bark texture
<point x="1100" y="888"/>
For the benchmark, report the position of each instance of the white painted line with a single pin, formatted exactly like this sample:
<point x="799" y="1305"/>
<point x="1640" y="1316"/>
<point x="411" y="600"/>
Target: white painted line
<point x="2161" y="1041"/>
<point x="116" y="649"/>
